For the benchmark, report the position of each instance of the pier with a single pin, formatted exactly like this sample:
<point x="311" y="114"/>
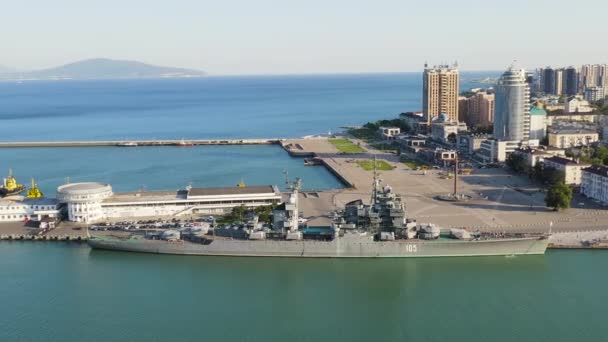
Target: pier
<point x="136" y="143"/>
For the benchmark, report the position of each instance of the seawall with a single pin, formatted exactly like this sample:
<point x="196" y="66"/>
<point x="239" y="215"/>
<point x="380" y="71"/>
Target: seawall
<point x="132" y="143"/>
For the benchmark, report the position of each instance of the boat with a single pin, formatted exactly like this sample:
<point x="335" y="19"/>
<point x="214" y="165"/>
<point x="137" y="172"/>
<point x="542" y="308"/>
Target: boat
<point x="10" y="186"/>
<point x="34" y="191"/>
<point x="378" y="230"/>
<point x="184" y="143"/>
<point x="128" y="144"/>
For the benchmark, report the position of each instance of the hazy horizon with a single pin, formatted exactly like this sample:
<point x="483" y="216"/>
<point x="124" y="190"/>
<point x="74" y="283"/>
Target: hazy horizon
<point x="269" y="37"/>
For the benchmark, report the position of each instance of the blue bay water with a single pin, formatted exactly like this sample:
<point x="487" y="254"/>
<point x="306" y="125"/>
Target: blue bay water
<point x="163" y="168"/>
<point x="212" y="107"/>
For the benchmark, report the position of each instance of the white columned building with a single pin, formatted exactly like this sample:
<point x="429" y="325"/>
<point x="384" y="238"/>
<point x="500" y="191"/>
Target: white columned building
<point x="83" y="200"/>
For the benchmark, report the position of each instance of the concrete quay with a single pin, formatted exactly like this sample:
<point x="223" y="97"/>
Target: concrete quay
<point x="580" y="240"/>
<point x="131" y="143"/>
<point x="19" y="231"/>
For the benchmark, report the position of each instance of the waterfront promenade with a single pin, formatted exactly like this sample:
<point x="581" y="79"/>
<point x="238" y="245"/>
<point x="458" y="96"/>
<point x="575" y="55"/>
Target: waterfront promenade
<point x="501" y="201"/>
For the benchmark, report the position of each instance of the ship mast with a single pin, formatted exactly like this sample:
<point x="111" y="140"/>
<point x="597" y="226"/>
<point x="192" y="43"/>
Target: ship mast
<point x="293" y="202"/>
<point x="375" y="184"/>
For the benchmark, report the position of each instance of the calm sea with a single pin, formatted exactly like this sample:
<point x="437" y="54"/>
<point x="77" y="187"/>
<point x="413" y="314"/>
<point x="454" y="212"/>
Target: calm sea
<point x="213" y="107"/>
<point x="66" y="292"/>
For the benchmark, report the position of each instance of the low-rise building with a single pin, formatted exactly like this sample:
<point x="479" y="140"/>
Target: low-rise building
<point x="415" y="121"/>
<point x="445" y="156"/>
<point x="389" y="133"/>
<point x="561" y="118"/>
<point x="533" y="156"/>
<point x="571" y="168"/>
<point x="445" y="130"/>
<point x="93" y="202"/>
<point x="576" y="104"/>
<point x="34" y="209"/>
<point x="594" y="183"/>
<point x="538" y="123"/>
<point x="411" y="143"/>
<point x="566" y="138"/>
<point x="471" y="143"/>
<point x="493" y="150"/>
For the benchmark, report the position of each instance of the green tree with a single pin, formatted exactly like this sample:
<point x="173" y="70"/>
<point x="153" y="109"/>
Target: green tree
<point x="482" y="129"/>
<point x="552" y="176"/>
<point x="559" y="196"/>
<point x="537" y="172"/>
<point x="238" y="212"/>
<point x="517" y="163"/>
<point x="264" y="213"/>
<point x="601" y="152"/>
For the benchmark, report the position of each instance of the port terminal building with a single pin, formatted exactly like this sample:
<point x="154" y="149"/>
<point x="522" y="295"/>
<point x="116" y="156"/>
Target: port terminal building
<point x="18" y="208"/>
<point x="93" y="202"/>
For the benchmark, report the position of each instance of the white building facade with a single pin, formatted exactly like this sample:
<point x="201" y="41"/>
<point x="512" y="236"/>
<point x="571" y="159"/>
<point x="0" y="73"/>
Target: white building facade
<point x="94" y="202"/>
<point x="572" y="138"/>
<point x="389" y="133"/>
<point x="83" y="200"/>
<point x="571" y="169"/>
<point x="538" y="123"/>
<point x="512" y="106"/>
<point x="29" y="209"/>
<point x="493" y="150"/>
<point x="594" y="183"/>
<point x="576" y="104"/>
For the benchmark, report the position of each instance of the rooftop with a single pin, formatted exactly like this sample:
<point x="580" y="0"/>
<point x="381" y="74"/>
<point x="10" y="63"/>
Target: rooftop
<point x="572" y="131"/>
<point x="29" y="201"/>
<point x="181" y="195"/>
<point x="598" y="170"/>
<point x="84" y="187"/>
<point x="564" y="161"/>
<point x="537" y="111"/>
<point x="148" y="196"/>
<point x="231" y="191"/>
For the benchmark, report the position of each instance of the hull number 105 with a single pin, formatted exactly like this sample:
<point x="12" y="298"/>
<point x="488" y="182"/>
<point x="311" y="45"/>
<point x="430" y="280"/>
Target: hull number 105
<point x="411" y="248"/>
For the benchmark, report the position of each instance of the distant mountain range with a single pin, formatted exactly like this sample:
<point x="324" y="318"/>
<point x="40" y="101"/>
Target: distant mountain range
<point x="100" y="68"/>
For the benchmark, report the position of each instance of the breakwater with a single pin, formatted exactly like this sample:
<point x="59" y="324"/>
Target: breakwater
<point x="135" y="143"/>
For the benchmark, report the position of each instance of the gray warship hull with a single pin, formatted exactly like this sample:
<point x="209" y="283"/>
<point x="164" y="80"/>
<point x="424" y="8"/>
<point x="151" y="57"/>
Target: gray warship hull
<point x="331" y="249"/>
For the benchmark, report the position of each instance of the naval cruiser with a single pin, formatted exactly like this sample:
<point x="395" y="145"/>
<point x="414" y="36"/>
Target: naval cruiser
<point x="378" y="230"/>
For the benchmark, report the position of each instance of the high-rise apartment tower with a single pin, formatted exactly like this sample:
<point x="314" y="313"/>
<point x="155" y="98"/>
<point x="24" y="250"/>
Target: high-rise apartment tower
<point x="512" y="106"/>
<point x="440" y="92"/>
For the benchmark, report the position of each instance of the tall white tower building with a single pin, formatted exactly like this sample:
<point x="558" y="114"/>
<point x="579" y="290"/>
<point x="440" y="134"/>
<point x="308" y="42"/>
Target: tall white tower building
<point x="512" y="106"/>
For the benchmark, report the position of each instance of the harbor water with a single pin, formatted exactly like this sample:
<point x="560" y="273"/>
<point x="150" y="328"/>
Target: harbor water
<point x="67" y="292"/>
<point x="163" y="168"/>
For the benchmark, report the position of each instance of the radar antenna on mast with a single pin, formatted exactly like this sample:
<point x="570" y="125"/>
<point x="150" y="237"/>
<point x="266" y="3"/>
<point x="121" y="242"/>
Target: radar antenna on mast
<point x="376" y="183"/>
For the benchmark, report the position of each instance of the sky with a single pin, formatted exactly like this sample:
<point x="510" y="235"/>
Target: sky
<point x="231" y="37"/>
